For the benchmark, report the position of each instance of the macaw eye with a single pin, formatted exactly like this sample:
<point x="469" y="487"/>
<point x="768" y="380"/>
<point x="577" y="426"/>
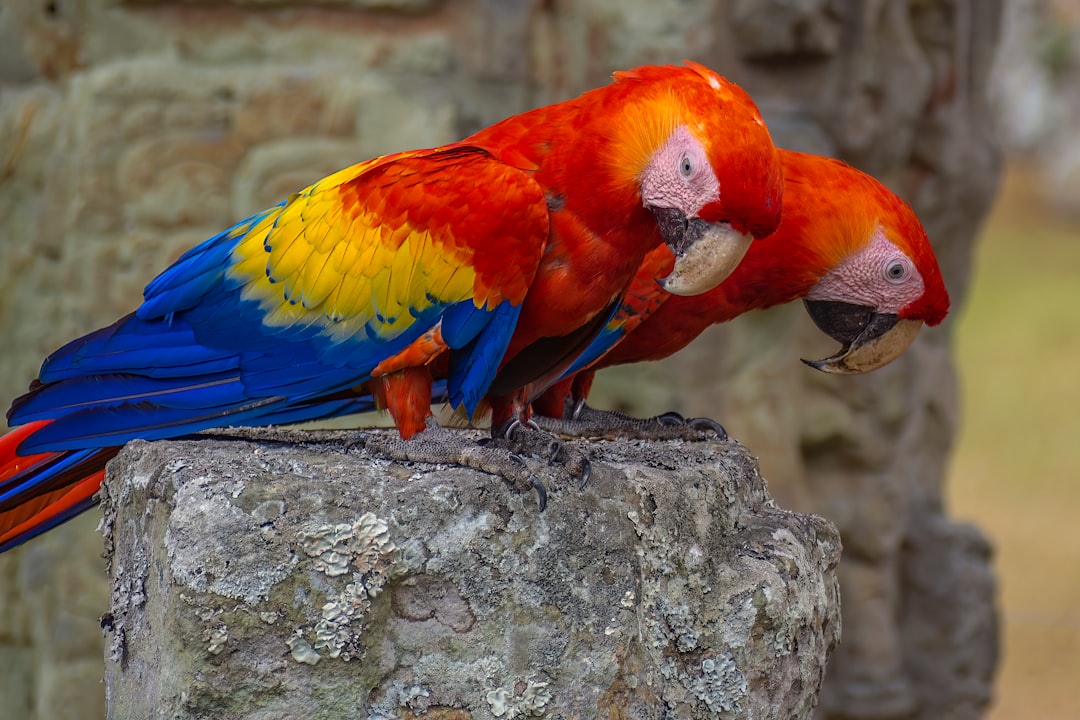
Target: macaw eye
<point x="686" y="166"/>
<point x="895" y="271"/>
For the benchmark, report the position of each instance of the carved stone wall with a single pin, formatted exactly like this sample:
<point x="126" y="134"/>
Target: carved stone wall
<point x="130" y="130"/>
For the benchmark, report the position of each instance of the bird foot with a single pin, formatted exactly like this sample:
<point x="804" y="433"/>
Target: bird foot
<point x="580" y="420"/>
<point x="503" y="456"/>
<point x="528" y="438"/>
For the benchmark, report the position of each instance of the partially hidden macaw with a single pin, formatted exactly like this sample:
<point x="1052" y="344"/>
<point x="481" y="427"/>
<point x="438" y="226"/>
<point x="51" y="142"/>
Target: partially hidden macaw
<point x="853" y="251"/>
<point x="498" y="258"/>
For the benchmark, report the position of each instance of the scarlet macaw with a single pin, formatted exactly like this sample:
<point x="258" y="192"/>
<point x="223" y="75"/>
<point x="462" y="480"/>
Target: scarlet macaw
<point x="498" y="258"/>
<point x="848" y="246"/>
<point x="852" y="250"/>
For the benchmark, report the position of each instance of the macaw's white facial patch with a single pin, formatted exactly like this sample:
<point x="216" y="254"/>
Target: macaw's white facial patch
<point x="679" y="176"/>
<point x="879" y="276"/>
<point x="678" y="182"/>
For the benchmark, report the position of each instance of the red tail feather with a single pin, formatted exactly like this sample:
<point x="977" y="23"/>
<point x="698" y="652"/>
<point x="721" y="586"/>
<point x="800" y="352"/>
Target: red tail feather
<point x="43" y="489"/>
<point x="44" y="508"/>
<point x="10" y="463"/>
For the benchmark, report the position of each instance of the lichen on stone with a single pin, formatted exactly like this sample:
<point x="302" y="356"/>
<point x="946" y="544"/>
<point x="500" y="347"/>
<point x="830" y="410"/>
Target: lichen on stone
<point x="530" y="702"/>
<point x="399" y="696"/>
<point x="364" y="543"/>
<point x="680" y="625"/>
<point x="721" y="686"/>
<point x="217" y="637"/>
<point x="328" y="544"/>
<point x="364" y="546"/>
<point x="301" y="649"/>
<point x="783" y="642"/>
<point x="333" y="632"/>
<point x="372" y="543"/>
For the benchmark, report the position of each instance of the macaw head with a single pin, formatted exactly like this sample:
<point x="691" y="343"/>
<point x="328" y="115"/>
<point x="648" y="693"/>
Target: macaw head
<point x="706" y="168"/>
<point x="874" y="280"/>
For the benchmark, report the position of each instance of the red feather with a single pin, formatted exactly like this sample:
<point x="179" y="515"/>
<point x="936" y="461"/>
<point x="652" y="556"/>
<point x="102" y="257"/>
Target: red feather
<point x="830" y="210"/>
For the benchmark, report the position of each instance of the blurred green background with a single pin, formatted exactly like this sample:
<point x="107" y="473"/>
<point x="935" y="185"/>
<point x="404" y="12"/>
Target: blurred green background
<point x="1016" y="468"/>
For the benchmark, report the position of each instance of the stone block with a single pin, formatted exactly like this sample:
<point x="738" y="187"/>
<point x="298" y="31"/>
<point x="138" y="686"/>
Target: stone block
<point x="281" y="574"/>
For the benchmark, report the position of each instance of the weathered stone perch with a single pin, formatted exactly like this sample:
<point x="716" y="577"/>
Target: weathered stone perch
<point x="286" y="575"/>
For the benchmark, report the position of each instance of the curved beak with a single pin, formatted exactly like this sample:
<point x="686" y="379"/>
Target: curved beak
<point x="870" y="340"/>
<point x="705" y="253"/>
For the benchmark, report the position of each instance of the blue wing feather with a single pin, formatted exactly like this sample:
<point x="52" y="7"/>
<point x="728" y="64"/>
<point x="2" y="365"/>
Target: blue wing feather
<point x="601" y="344"/>
<point x="461" y="323"/>
<point x="204" y="349"/>
<point x="473" y="367"/>
<point x="196" y="273"/>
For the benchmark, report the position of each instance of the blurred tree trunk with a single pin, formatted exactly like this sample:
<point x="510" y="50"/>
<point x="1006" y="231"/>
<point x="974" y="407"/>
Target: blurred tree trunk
<point x="130" y="130"/>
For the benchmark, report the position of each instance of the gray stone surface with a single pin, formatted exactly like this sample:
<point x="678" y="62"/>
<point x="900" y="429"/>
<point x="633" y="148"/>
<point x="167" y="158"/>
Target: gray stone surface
<point x="284" y="574"/>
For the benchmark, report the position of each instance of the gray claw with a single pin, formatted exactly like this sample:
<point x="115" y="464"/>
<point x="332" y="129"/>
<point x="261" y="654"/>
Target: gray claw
<point x="704" y="423"/>
<point x="541" y="493"/>
<point x="579" y="407"/>
<point x="586" y="473"/>
<point x="506" y="431"/>
<point x="671" y="418"/>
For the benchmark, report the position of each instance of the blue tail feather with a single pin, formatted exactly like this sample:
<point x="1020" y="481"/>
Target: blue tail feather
<point x="25" y="481"/>
<point x="474" y="365"/>
<point x="53" y="522"/>
<point x="115" y="425"/>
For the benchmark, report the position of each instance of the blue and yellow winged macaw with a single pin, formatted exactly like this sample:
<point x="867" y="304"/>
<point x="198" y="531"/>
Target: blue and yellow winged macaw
<point x="495" y="258"/>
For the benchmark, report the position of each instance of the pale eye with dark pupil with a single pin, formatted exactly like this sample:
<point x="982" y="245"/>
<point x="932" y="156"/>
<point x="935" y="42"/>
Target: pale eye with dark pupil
<point x="686" y="167"/>
<point x="895" y="271"/>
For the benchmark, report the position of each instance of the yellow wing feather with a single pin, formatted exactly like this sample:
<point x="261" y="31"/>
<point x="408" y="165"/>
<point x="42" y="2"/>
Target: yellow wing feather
<point x="367" y="250"/>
